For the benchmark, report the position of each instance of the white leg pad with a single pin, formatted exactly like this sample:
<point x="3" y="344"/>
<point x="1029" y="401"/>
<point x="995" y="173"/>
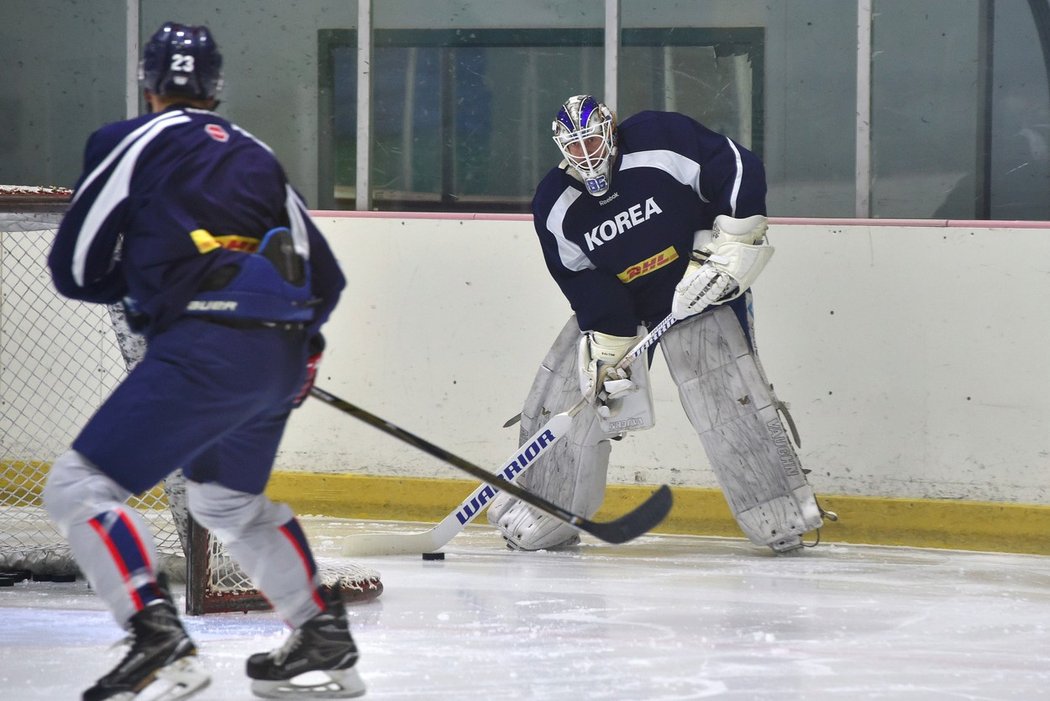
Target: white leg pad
<point x="731" y="405"/>
<point x="572" y="474"/>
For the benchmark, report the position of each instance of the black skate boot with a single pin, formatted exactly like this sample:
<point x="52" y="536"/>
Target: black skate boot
<point x="160" y="652"/>
<point x="322" y="644"/>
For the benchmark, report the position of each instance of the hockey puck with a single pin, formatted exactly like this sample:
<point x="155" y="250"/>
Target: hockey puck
<point x="433" y="556"/>
<point x="67" y="577"/>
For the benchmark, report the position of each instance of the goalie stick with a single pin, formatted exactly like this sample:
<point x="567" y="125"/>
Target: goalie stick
<point x="468" y="509"/>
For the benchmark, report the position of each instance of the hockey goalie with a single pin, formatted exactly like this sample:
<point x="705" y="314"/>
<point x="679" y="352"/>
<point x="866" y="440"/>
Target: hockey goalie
<point x="653" y="216"/>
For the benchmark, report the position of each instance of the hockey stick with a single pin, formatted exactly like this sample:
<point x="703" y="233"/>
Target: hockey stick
<point x="629" y="526"/>
<point x="468" y="509"/>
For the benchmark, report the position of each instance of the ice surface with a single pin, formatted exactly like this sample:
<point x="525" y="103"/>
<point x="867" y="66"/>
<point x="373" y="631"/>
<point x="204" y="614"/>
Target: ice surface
<point x="662" y="618"/>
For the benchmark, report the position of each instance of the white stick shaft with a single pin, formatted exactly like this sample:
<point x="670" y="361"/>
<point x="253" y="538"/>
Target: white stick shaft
<point x="468" y="509"/>
<point x="651" y="338"/>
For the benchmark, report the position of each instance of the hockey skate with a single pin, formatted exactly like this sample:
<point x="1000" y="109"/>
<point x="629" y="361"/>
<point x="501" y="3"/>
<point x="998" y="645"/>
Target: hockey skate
<point x="162" y="658"/>
<point x="321" y="645"/>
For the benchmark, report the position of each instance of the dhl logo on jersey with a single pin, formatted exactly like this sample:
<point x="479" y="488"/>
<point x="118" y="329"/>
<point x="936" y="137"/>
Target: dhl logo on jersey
<point x="205" y="242"/>
<point x="664" y="257"/>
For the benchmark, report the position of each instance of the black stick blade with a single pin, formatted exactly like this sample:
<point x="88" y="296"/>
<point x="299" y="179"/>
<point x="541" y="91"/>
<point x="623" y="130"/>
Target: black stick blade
<point x="647" y="516"/>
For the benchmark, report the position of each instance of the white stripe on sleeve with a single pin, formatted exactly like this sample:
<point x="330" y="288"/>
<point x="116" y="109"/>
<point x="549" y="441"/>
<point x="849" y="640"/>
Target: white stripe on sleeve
<point x="739" y="176"/>
<point x="115" y="189"/>
<point x="571" y="255"/>
<point x="683" y="169"/>
<point x="296" y="217"/>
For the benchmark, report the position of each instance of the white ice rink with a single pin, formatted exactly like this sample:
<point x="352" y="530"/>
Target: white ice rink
<point x="658" y="619"/>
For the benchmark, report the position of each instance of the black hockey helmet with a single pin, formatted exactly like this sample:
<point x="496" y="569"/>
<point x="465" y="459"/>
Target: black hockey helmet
<point x="182" y="60"/>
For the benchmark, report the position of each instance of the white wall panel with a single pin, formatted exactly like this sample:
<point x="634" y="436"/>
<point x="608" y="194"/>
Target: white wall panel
<point x="913" y="357"/>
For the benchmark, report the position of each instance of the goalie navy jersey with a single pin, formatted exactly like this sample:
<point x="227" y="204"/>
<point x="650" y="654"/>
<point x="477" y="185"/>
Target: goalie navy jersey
<point x="618" y="257"/>
<point x="167" y="199"/>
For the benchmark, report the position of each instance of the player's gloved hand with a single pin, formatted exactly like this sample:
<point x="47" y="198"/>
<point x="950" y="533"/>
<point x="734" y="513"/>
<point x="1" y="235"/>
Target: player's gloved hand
<point x="701" y="286"/>
<point x="312" y="363"/>
<point x="601" y="382"/>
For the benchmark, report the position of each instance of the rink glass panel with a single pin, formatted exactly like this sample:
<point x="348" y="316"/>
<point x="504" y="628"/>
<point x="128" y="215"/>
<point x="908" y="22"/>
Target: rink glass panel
<point x="461" y="120"/>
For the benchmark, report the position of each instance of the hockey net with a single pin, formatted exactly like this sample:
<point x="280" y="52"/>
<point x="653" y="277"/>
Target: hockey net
<point x="59" y="359"/>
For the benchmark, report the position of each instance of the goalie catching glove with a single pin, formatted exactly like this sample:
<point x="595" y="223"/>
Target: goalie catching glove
<point x="724" y="264"/>
<point x="601" y="382"/>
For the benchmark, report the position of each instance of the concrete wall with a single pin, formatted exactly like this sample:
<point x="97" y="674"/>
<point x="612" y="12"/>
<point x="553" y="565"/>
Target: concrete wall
<point x="912" y="354"/>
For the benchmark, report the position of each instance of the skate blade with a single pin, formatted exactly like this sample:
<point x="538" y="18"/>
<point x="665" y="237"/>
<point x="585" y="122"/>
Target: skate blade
<point x="181" y="679"/>
<point x="329" y="684"/>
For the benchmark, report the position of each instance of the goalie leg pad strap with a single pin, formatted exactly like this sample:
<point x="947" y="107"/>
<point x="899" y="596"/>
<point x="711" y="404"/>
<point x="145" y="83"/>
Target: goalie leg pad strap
<point x="730" y="404"/>
<point x="572" y="474"/>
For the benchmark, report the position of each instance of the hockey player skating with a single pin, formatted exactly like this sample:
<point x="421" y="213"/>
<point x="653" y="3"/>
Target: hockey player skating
<point x="192" y="223"/>
<point x="653" y="216"/>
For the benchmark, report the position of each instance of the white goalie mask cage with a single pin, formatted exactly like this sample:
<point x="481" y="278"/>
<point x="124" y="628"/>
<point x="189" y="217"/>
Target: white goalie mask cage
<point x="585" y="132"/>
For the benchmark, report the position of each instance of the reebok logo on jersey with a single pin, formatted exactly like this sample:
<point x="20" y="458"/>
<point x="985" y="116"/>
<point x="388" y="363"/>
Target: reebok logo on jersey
<point x="611" y="228"/>
<point x="664" y="257"/>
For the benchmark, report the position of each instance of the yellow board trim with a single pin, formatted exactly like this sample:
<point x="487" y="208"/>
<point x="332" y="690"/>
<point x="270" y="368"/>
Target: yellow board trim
<point x="922" y="523"/>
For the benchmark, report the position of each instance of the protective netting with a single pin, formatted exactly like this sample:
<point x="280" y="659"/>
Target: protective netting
<point x="59" y="359"/>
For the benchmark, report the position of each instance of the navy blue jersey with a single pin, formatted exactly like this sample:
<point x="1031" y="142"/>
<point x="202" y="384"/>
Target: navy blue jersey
<point x="617" y="258"/>
<point x="166" y="199"/>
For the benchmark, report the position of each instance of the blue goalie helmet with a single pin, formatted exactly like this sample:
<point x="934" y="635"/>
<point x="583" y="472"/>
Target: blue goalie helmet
<point x="182" y="60"/>
<point x="585" y="131"/>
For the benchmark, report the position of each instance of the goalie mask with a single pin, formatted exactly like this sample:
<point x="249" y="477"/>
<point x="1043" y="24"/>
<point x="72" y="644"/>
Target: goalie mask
<point x="585" y="131"/>
<point x="182" y="60"/>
